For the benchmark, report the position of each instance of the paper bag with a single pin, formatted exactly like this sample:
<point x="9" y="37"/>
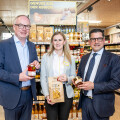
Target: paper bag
<point x="56" y="90"/>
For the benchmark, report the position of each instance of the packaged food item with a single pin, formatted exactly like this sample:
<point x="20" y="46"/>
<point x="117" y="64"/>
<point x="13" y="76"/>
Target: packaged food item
<point x="31" y="70"/>
<point x="56" y="90"/>
<point x="78" y="80"/>
<point x="48" y="32"/>
<point x="32" y="36"/>
<point x="39" y="33"/>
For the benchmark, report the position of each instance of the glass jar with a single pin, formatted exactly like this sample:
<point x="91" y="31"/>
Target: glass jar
<point x="31" y="70"/>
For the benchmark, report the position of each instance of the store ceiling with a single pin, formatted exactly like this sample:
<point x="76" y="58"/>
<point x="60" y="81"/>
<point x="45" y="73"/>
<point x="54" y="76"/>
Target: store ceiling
<point x="106" y="11"/>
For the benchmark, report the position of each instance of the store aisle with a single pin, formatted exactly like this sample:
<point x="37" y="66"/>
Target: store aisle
<point x="116" y="115"/>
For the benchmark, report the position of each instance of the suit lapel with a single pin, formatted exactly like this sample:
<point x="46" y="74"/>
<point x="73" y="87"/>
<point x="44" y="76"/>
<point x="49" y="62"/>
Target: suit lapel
<point x="103" y="62"/>
<point x="84" y="64"/>
<point x="14" y="55"/>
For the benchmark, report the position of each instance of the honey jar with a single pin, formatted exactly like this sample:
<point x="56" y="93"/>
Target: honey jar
<point x="31" y="70"/>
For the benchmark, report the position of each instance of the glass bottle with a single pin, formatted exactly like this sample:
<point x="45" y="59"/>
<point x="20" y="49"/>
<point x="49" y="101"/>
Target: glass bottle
<point x="36" y="112"/>
<point x="44" y="113"/>
<point x="40" y="112"/>
<point x="74" y="111"/>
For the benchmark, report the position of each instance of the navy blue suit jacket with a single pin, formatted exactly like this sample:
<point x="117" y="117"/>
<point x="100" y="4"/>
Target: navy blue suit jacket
<point x="107" y="79"/>
<point x="10" y="69"/>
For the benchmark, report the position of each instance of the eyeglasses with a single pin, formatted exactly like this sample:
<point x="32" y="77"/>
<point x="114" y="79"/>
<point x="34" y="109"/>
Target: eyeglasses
<point x="100" y="39"/>
<point x="21" y="26"/>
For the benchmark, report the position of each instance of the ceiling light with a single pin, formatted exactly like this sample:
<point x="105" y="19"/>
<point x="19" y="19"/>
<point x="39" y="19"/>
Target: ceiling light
<point x="90" y="21"/>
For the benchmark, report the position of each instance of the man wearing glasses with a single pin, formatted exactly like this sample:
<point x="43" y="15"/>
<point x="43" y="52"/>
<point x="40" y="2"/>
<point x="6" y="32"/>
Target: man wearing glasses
<point x="100" y="71"/>
<point x="17" y="89"/>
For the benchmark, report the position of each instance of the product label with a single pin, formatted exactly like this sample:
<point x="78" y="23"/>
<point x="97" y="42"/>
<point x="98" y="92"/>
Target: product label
<point x="74" y="115"/>
<point x="32" y="73"/>
<point x="44" y="115"/>
<point x="40" y="116"/>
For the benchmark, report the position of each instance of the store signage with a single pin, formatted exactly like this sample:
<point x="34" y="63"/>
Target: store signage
<point x="52" y="12"/>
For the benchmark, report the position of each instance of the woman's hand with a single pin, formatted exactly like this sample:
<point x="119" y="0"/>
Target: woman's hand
<point x="62" y="78"/>
<point x="49" y="100"/>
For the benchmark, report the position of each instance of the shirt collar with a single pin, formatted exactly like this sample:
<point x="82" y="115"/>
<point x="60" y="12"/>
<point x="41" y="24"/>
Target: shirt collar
<point x="16" y="40"/>
<point x="98" y="52"/>
<point x="54" y="53"/>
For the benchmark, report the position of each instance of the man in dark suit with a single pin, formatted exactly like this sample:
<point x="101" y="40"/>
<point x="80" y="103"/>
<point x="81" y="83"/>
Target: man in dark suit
<point x="100" y="71"/>
<point x="17" y="90"/>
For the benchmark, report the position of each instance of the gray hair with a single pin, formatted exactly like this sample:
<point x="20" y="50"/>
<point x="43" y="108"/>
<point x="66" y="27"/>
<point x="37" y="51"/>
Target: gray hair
<point x="14" y="22"/>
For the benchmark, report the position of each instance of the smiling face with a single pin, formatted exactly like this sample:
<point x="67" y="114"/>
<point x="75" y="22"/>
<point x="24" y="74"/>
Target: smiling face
<point x="21" y="33"/>
<point x="58" y="42"/>
<point x="95" y="41"/>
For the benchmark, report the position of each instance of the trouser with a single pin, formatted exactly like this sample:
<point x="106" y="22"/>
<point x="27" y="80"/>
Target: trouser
<point x="59" y="111"/>
<point x="88" y="112"/>
<point x="24" y="108"/>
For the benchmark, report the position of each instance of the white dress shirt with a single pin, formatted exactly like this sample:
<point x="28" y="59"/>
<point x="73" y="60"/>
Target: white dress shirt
<point x="94" y="71"/>
<point x="58" y="66"/>
<point x="23" y="54"/>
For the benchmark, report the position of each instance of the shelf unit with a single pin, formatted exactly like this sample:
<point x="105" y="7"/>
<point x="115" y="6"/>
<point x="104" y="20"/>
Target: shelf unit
<point x="76" y="47"/>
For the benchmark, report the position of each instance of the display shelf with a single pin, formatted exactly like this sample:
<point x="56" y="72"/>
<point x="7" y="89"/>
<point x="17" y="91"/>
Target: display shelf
<point x="39" y="102"/>
<point x="117" y="43"/>
<point x="113" y="50"/>
<point x="37" y="80"/>
<point x="42" y="43"/>
<point x="48" y="43"/>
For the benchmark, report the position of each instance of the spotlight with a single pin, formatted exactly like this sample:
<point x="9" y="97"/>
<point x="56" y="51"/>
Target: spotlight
<point x="90" y="8"/>
<point x="118" y="26"/>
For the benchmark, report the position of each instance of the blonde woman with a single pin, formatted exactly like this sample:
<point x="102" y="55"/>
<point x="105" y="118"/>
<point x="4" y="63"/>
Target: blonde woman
<point x="58" y="62"/>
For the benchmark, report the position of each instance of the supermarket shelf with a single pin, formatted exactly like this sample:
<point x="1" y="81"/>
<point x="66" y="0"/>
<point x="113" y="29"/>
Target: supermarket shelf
<point x="37" y="80"/>
<point x="113" y="50"/>
<point x="39" y="102"/>
<point x="42" y="43"/>
<point x="117" y="43"/>
<point x="47" y="43"/>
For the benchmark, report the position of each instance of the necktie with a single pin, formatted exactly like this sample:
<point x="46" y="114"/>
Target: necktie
<point x="89" y="71"/>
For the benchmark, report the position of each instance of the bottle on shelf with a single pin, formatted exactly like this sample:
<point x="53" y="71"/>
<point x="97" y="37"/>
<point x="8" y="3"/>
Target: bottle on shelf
<point x="44" y="113"/>
<point x="74" y="111"/>
<point x="76" y="92"/>
<point x="37" y="77"/>
<point x="33" y="111"/>
<point x="40" y="112"/>
<point x="79" y="114"/>
<point x="36" y="112"/>
<point x="71" y="114"/>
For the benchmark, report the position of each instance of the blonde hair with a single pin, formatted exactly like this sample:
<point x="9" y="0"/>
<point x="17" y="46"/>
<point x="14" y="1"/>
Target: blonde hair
<point x="66" y="48"/>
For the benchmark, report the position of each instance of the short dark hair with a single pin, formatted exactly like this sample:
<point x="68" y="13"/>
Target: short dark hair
<point x="95" y="31"/>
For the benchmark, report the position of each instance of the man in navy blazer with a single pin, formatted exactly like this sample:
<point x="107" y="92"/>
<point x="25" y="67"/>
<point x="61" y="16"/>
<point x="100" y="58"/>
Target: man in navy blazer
<point x="17" y="90"/>
<point x="97" y="93"/>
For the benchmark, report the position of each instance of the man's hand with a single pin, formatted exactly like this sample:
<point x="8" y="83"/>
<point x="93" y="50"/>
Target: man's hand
<point x="24" y="77"/>
<point x="36" y="63"/>
<point x="86" y="85"/>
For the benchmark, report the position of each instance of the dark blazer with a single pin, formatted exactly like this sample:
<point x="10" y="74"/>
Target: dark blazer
<point x="107" y="79"/>
<point x="10" y="69"/>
